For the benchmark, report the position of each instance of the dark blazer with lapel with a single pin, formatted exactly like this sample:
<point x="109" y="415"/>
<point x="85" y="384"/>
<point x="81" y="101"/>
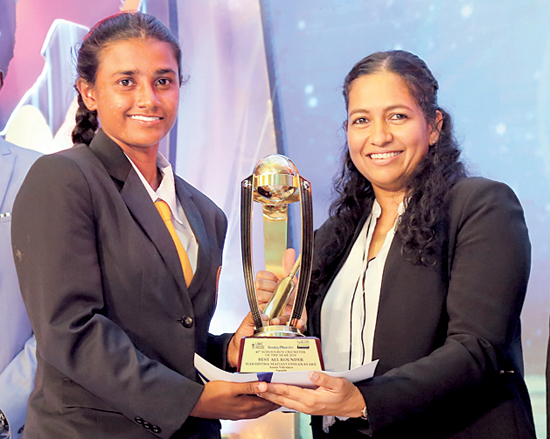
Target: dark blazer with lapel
<point x="115" y="324"/>
<point x="448" y="335"/>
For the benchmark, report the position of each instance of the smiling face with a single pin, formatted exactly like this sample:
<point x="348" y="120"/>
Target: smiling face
<point x="136" y="92"/>
<point x="388" y="134"/>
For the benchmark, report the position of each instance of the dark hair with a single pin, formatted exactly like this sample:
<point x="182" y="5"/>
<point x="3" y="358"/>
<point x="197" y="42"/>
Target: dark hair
<point x="420" y="226"/>
<point x="119" y="27"/>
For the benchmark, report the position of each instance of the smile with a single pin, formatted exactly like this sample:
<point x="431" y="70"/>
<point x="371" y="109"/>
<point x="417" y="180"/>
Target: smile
<point x="144" y="118"/>
<point x="384" y="155"/>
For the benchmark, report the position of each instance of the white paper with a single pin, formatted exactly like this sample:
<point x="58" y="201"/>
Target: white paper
<point x="209" y="372"/>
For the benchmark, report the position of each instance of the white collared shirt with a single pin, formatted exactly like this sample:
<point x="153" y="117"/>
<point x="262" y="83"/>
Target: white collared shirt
<point x="167" y="192"/>
<point x="348" y="314"/>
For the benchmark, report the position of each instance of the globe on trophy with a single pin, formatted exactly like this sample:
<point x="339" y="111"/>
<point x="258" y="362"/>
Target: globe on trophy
<point x="275" y="184"/>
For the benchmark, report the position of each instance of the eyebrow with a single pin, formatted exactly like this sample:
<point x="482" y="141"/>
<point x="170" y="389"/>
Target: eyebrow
<point x="135" y="72"/>
<point x="390" y="108"/>
<point x="165" y="71"/>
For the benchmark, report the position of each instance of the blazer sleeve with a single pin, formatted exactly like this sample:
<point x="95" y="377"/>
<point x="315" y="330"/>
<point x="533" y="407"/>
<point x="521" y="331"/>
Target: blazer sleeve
<point x="489" y="263"/>
<point x="54" y="236"/>
<point x="16" y="384"/>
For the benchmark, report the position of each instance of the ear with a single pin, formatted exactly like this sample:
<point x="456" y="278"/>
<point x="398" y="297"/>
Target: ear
<point x="87" y="91"/>
<point x="346" y="126"/>
<point x="436" y="128"/>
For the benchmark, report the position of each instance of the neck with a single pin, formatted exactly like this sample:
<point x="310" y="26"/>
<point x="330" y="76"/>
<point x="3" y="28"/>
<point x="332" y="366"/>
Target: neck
<point x="145" y="160"/>
<point x="389" y="201"/>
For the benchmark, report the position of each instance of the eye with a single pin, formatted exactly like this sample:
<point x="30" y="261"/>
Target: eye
<point x="126" y="82"/>
<point x="164" y="82"/>
<point x="399" y="116"/>
<point x="360" y="120"/>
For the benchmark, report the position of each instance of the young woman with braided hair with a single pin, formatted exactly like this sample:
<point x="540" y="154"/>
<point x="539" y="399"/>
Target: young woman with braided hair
<point x="120" y="298"/>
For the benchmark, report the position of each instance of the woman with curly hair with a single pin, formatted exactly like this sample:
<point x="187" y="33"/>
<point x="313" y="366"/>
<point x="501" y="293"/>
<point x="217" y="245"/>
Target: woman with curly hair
<point x="420" y="267"/>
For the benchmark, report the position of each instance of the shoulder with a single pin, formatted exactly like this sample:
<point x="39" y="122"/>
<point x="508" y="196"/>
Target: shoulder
<point x="58" y="163"/>
<point x="477" y="193"/>
<point x="57" y="174"/>
<point x="202" y="201"/>
<point x="487" y="206"/>
<point x="479" y="187"/>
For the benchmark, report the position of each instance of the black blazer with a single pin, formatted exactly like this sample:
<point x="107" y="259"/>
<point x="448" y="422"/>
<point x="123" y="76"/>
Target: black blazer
<point x="115" y="324"/>
<point x="448" y="336"/>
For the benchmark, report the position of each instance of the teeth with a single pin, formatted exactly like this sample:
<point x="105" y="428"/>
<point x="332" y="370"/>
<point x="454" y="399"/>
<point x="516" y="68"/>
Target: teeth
<point x="383" y="155"/>
<point x="145" y="118"/>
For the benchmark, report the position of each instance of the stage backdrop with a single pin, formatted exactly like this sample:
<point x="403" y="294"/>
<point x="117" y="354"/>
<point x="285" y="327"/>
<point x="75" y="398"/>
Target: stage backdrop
<point x="492" y="61"/>
<point x="265" y="75"/>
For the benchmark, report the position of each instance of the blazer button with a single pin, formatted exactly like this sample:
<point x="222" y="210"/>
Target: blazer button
<point x="147" y="426"/>
<point x="156" y="429"/>
<point x="139" y="420"/>
<point x="187" y="321"/>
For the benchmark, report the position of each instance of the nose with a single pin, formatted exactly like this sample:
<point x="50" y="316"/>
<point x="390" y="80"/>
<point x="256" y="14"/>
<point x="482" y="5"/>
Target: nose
<point x="147" y="97"/>
<point x="380" y="134"/>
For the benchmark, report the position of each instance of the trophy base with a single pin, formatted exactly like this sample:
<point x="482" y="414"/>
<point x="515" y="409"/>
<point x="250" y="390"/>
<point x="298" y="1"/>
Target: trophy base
<point x="278" y="331"/>
<point x="280" y="348"/>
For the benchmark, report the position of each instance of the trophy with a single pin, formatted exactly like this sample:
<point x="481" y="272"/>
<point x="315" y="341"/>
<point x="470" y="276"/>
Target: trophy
<point x="275" y="183"/>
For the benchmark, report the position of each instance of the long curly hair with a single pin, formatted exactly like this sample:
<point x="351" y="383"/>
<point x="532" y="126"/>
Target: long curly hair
<point x="420" y="226"/>
<point x="119" y="27"/>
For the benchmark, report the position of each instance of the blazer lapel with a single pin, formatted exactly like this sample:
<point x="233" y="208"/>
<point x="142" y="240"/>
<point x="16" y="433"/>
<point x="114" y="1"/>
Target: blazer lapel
<point x="197" y="224"/>
<point x="139" y="202"/>
<point x="7" y="162"/>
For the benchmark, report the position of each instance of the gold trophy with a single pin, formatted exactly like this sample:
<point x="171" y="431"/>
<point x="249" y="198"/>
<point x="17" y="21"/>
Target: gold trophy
<point x="275" y="183"/>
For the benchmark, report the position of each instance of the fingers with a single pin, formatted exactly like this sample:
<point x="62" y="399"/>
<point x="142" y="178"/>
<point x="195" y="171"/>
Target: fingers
<point x="301" y="325"/>
<point x="252" y="388"/>
<point x="323" y="380"/>
<point x="266" y="275"/>
<point x="265" y="284"/>
<point x="282" y="401"/>
<point x="333" y="396"/>
<point x="246" y="329"/>
<point x="251" y="407"/>
<point x="225" y="400"/>
<point x="288" y="260"/>
<point x="283" y="320"/>
<point x="295" y="398"/>
<point x="263" y="298"/>
<point x="287" y="391"/>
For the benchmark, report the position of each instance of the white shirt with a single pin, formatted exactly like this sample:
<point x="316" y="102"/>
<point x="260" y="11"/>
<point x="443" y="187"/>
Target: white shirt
<point x="350" y="308"/>
<point x="167" y="192"/>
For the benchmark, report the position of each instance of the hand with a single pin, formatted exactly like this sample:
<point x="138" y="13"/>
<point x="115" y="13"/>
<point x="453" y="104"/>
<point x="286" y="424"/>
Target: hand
<point x="234" y="401"/>
<point x="332" y="397"/>
<point x="246" y="329"/>
<point x="265" y="285"/>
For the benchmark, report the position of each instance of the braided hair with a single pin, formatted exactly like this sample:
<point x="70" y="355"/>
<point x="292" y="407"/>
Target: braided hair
<point x="420" y="226"/>
<point x="118" y="27"/>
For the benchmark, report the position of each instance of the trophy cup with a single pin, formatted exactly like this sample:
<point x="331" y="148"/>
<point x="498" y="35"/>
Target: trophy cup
<point x="275" y="183"/>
